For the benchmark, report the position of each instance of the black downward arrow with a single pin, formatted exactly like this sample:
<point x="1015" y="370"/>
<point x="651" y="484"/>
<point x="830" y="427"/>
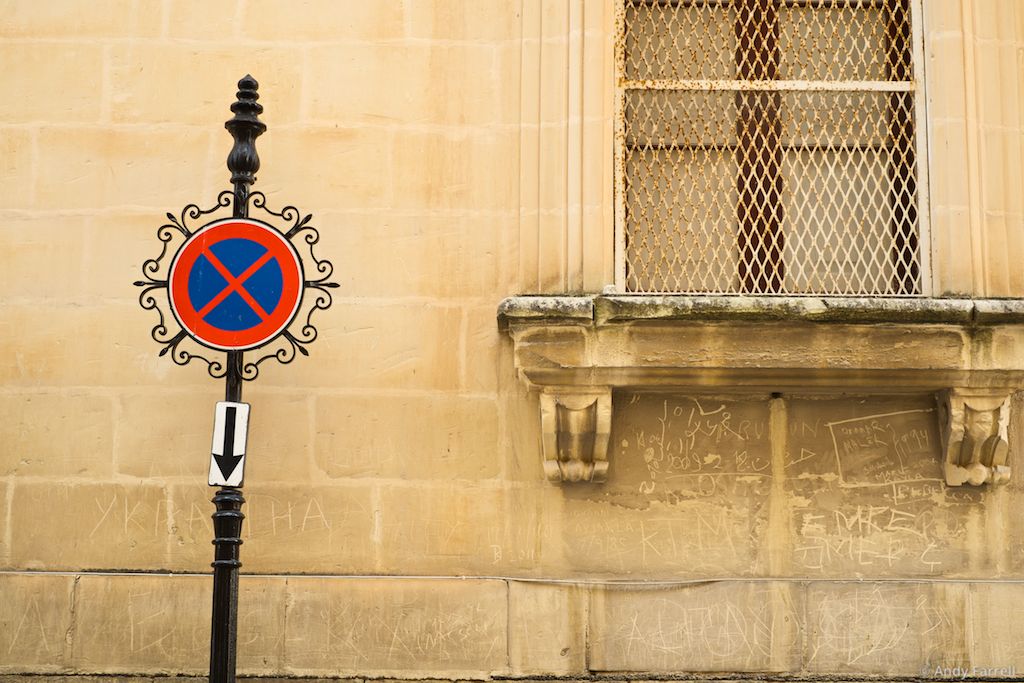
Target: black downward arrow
<point x="227" y="462"/>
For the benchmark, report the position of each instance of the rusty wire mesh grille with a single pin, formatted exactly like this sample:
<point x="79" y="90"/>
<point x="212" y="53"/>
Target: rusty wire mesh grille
<point x="768" y="147"/>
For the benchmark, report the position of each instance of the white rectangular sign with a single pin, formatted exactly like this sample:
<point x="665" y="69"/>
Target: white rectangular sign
<point x="230" y="429"/>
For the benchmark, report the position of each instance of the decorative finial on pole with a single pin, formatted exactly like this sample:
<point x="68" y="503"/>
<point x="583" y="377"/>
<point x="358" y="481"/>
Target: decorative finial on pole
<point x="245" y="126"/>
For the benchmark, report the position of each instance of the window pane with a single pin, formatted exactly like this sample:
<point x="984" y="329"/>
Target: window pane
<point x="768" y="186"/>
<point x="682" y="226"/>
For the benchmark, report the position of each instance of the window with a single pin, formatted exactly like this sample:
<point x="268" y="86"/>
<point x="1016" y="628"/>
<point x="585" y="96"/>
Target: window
<point x="769" y="147"/>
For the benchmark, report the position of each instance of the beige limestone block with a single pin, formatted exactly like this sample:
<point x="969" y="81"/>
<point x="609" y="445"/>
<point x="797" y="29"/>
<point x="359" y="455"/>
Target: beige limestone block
<point x="322" y="20"/>
<point x="487" y="351"/>
<point x="18" y="168"/>
<point x="687" y="492"/>
<point x="280" y="437"/>
<point x="119" y="18"/>
<point x="94" y="168"/>
<point x="88" y="526"/>
<point x="519" y="407"/>
<point x="77" y="678"/>
<point x="994" y="614"/>
<point x="885" y="628"/>
<point x="444" y="529"/>
<point x="56" y="434"/>
<point x="163" y="434"/>
<point x="1001" y="347"/>
<point x="558" y="346"/>
<point x="46" y="347"/>
<point x="294" y="528"/>
<point x="454" y="20"/>
<point x="721" y="532"/>
<point x="376" y="345"/>
<point x="161" y="624"/>
<point x="110" y="271"/>
<point x="865" y="490"/>
<point x="196" y="20"/>
<point x="953" y="277"/>
<point x="716" y="626"/>
<point x="389" y="255"/>
<point x="44" y="244"/>
<point x="67" y="71"/>
<point x="788" y="347"/>
<point x="261" y="625"/>
<point x="438" y="436"/>
<point x="427" y="84"/>
<point x="547" y="628"/>
<point x="206" y="77"/>
<point x="339" y="168"/>
<point x="35" y="619"/>
<point x="5" y="539"/>
<point x="468" y="170"/>
<point x="403" y="628"/>
<point x="169" y="434"/>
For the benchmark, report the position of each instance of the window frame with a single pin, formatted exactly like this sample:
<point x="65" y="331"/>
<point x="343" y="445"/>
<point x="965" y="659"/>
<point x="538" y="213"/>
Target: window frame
<point x="921" y="135"/>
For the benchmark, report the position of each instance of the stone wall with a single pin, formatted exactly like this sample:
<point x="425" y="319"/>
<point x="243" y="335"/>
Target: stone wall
<point x="399" y="523"/>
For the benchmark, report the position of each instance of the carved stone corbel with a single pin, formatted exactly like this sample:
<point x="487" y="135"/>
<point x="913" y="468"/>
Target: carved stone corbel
<point x="973" y="429"/>
<point x="575" y="426"/>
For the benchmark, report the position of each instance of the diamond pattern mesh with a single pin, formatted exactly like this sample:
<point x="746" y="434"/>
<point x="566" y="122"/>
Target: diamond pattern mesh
<point x="768" y="147"/>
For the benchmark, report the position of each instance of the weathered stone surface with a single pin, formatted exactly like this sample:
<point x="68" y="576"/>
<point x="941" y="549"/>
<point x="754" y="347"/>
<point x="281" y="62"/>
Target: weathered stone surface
<point x="324" y="20"/>
<point x="428" y="83"/>
<point x="403" y="346"/>
<point x="416" y="255"/>
<point x="356" y="178"/>
<point x="75" y="65"/>
<point x="687" y="491"/>
<point x="451" y="529"/>
<point x="457" y="160"/>
<point x="715" y="626"/>
<point x="5" y="538"/>
<point x="866" y="493"/>
<point x="168" y="435"/>
<point x="291" y="528"/>
<point x="78" y="163"/>
<point x="121" y="18"/>
<point x="440" y="436"/>
<point x="35" y="620"/>
<point x="46" y="344"/>
<point x="161" y="624"/>
<point x="994" y="613"/>
<point x="56" y="434"/>
<point x="142" y="73"/>
<point x="400" y="628"/>
<point x="887" y="629"/>
<point x="88" y="526"/>
<point x="547" y="627"/>
<point x="16" y="169"/>
<point x="30" y="245"/>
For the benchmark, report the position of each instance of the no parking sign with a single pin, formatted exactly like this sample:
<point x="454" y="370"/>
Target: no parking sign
<point x="235" y="284"/>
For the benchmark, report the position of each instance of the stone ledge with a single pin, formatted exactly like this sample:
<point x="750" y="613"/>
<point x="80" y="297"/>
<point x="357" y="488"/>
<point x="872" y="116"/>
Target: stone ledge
<point x="850" y="310"/>
<point x="575" y="351"/>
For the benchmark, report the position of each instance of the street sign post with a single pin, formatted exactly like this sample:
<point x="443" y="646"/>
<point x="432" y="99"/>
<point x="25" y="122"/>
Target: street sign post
<point x="235" y="284"/>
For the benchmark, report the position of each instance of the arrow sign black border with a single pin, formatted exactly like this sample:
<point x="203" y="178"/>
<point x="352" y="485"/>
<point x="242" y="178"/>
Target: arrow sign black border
<point x="226" y="462"/>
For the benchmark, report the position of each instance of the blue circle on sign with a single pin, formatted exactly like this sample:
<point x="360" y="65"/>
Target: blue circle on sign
<point x="243" y="307"/>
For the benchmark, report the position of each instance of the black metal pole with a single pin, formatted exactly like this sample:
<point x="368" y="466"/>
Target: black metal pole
<point x="243" y="162"/>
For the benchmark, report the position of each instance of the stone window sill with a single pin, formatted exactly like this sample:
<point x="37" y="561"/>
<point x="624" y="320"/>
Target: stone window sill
<point x="576" y="350"/>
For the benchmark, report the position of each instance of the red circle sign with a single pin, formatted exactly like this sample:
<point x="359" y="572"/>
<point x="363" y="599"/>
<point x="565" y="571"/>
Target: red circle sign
<point x="235" y="284"/>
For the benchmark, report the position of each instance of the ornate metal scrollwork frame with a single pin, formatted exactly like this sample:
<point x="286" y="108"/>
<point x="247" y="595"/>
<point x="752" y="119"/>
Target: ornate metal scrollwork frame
<point x="284" y="348"/>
